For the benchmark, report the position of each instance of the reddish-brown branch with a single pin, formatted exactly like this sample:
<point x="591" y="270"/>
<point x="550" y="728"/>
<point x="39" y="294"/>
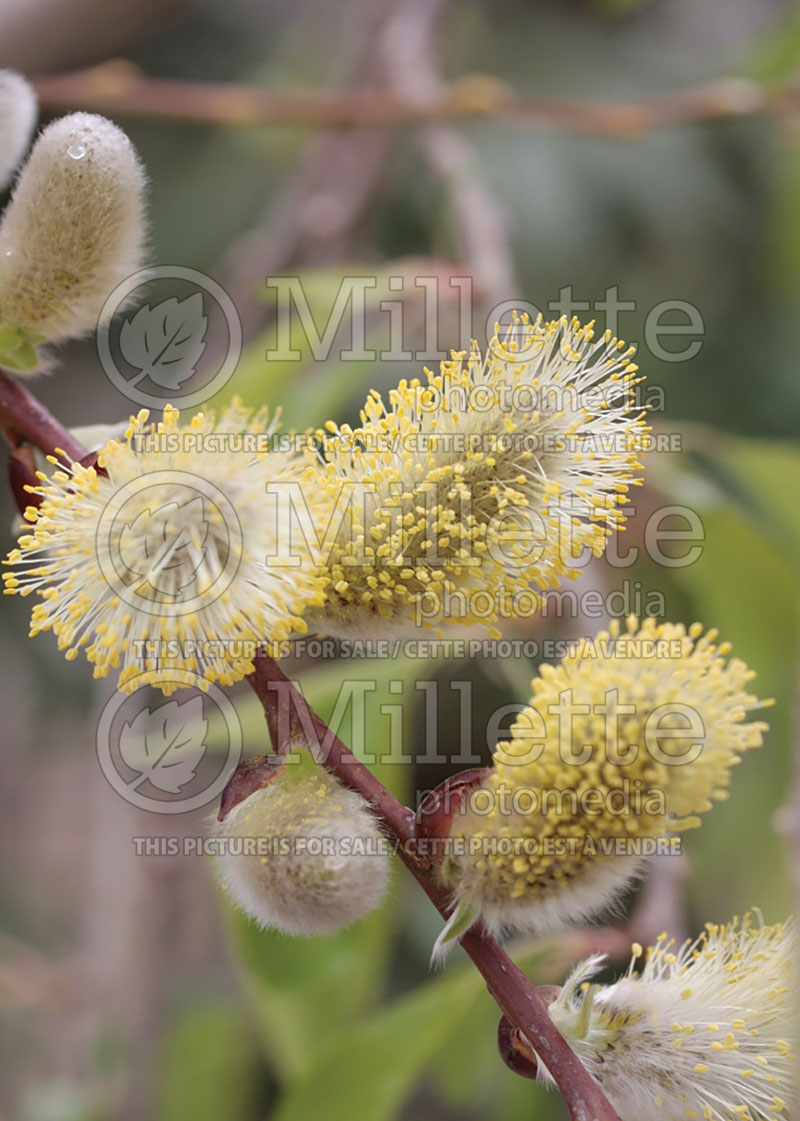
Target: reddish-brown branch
<point x="23" y="418"/>
<point x="517" y="998"/>
<point x="119" y="88"/>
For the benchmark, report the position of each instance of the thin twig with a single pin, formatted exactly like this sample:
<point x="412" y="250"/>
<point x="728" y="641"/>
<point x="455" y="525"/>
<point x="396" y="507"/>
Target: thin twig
<point x="517" y="998"/>
<point x="480" y="225"/>
<point x="311" y="218"/>
<point x="118" y="87"/>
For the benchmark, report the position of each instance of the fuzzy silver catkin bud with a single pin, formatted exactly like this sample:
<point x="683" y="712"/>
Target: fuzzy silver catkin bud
<point x="17" y="118"/>
<point x="73" y="230"/>
<point x="303" y="855"/>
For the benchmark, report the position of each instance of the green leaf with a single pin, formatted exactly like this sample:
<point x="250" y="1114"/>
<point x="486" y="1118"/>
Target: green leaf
<point x="744" y="579"/>
<point x="313" y="389"/>
<point x="369" y="1071"/>
<point x="17" y="351"/>
<point x="303" y="386"/>
<point x="771" y="469"/>
<point x="10" y="337"/>
<point x="300" y="987"/>
<point x="476" y="1082"/>
<point x="208" y="1066"/>
<point x="778" y="56"/>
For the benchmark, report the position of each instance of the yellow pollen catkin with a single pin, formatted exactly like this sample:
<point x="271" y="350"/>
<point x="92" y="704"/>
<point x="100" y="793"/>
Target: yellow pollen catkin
<point x="624" y="743"/>
<point x="475" y="489"/>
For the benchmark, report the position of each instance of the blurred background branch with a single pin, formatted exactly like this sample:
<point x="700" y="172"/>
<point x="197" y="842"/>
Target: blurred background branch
<point x="119" y="88"/>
